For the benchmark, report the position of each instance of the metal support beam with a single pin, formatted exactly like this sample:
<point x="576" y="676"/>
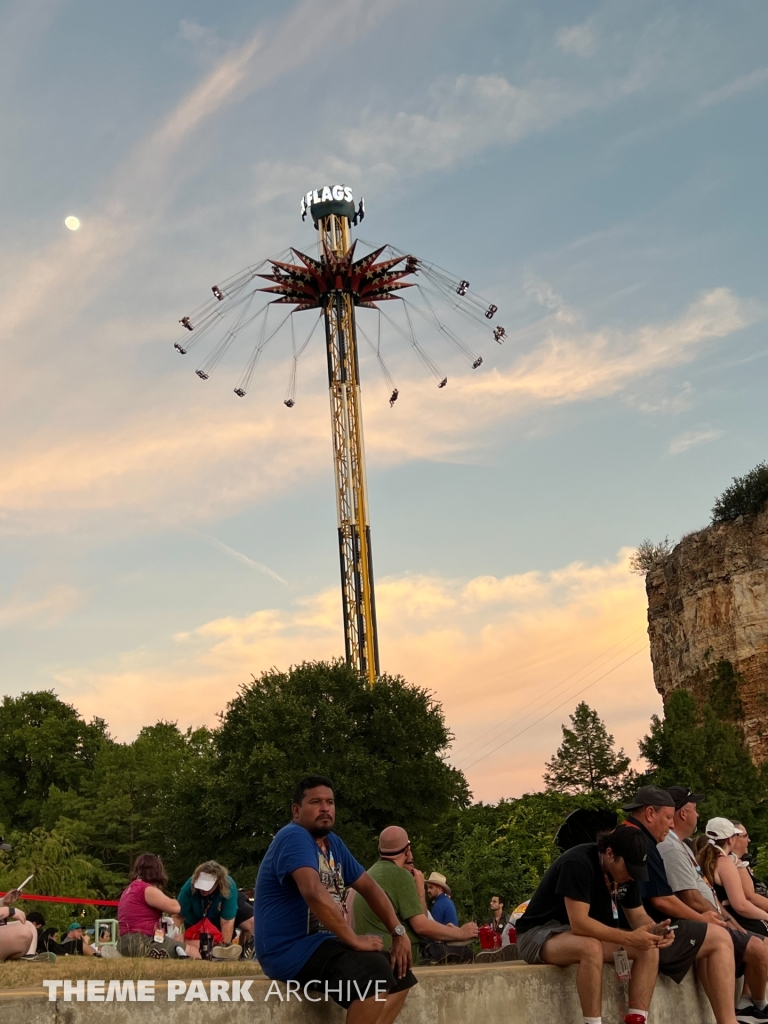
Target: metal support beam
<point x="359" y="605"/>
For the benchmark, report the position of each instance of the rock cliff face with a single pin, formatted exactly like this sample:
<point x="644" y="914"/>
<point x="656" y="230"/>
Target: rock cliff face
<point x="707" y="603"/>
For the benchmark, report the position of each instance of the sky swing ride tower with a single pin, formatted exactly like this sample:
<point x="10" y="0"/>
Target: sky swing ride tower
<point x="335" y="284"/>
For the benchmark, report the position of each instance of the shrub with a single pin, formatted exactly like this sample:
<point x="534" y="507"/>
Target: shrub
<point x="746" y="496"/>
<point x="649" y="555"/>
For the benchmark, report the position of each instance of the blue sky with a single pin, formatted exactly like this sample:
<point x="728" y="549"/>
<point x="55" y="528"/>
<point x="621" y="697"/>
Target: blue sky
<point x="596" y="170"/>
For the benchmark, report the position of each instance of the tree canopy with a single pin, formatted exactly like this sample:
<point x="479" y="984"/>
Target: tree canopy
<point x="46" y="743"/>
<point x="79" y="806"/>
<point x="381" y="745"/>
<point x="586" y="761"/>
<point x="746" y="496"/>
<point x="698" y="747"/>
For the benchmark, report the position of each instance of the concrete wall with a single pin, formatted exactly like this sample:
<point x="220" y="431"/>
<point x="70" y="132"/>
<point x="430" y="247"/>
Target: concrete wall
<point x="513" y="993"/>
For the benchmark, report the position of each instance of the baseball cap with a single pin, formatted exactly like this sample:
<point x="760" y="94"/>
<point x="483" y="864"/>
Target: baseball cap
<point x="683" y="795"/>
<point x="722" y="828"/>
<point x="650" y="796"/>
<point x="74" y="927"/>
<point x="629" y="844"/>
<point x="205" y="881"/>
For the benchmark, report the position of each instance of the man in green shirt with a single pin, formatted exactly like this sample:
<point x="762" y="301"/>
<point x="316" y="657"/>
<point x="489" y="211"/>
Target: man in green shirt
<point x="399" y="882"/>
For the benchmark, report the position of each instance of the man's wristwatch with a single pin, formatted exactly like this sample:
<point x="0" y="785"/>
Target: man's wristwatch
<point x="398" y="930"/>
<point x="11" y="913"/>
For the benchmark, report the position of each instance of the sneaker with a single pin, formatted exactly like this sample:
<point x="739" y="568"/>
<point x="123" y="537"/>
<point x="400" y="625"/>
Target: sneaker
<point x="231" y="952"/>
<point x="489" y="956"/>
<point x="751" y="1015"/>
<point x="40" y="958"/>
<point x="159" y="954"/>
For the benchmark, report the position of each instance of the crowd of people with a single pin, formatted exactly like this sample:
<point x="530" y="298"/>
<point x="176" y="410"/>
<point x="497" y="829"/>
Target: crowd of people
<point x="201" y="923"/>
<point x="645" y="896"/>
<point x="643" y="892"/>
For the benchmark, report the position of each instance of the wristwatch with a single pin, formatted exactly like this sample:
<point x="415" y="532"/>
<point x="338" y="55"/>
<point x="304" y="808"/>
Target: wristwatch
<point x="398" y="930"/>
<point x="11" y="913"/>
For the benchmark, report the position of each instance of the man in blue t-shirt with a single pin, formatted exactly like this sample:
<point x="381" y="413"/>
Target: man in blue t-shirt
<point x="301" y="934"/>
<point x="443" y="909"/>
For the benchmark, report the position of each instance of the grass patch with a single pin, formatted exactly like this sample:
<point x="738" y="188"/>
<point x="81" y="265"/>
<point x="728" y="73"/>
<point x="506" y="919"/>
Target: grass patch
<point x="22" y="974"/>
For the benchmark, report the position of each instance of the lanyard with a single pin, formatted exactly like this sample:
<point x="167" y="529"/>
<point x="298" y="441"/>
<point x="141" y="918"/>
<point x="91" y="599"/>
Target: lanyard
<point x="612" y="892"/>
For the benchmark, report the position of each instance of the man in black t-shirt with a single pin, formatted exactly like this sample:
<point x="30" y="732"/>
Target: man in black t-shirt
<point x="573" y="918"/>
<point x="701" y="938"/>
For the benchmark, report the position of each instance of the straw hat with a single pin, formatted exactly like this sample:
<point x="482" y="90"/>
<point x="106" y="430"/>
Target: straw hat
<point x="437" y="879"/>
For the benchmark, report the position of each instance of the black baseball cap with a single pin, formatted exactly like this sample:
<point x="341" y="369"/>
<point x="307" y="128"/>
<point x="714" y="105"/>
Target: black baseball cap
<point x="629" y="843"/>
<point x="683" y="795"/>
<point x="650" y="796"/>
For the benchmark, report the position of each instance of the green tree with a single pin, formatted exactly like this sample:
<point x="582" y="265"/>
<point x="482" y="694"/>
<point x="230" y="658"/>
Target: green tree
<point x="45" y="743"/>
<point x="502" y="849"/>
<point x="746" y="496"/>
<point x="60" y="868"/>
<point x="383" y="747"/>
<point x="586" y="761"/>
<point x="697" y="747"/>
<point x="142" y="796"/>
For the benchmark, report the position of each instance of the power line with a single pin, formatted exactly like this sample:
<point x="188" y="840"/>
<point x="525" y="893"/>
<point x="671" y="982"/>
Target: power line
<point x="562" y="705"/>
<point x="619" y="643"/>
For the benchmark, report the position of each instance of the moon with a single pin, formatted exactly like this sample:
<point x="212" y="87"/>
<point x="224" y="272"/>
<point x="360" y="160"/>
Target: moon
<point x="72" y="223"/>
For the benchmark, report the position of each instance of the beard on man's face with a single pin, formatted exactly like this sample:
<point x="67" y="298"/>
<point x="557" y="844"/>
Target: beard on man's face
<point x="321" y="826"/>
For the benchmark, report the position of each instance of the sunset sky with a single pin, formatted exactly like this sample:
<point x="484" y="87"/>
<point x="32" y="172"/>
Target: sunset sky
<point x="597" y="170"/>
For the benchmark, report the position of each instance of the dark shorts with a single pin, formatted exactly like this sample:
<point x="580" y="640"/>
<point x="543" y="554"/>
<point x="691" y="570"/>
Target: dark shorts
<point x="244" y="909"/>
<point x="676" y="960"/>
<point x="740" y="940"/>
<point x="347" y="975"/>
<point x="530" y="942"/>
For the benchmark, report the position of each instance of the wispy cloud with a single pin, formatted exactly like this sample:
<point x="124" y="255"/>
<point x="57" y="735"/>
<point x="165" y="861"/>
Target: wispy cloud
<point x="578" y="39"/>
<point x="43" y="612"/>
<point x="240" y="557"/>
<point x="692" y="439"/>
<point x="71" y="271"/>
<point x="745" y="83"/>
<point x="490" y="648"/>
<point x="187" y="464"/>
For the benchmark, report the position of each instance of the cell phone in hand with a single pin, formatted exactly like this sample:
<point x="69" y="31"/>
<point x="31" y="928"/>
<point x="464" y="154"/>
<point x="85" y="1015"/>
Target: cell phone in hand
<point x="663" y="929"/>
<point x="25" y="882"/>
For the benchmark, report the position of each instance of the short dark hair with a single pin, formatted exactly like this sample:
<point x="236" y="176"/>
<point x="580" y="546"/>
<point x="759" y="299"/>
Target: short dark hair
<point x="149" y="868"/>
<point x="36" y="918"/>
<point x="311" y="782"/>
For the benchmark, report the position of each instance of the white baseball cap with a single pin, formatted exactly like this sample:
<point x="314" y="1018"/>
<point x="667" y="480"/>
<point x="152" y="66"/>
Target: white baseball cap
<point x="205" y="881"/>
<point x="722" y="828"/>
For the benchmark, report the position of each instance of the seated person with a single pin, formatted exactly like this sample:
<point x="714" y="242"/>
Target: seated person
<point x="499" y="919"/>
<point x="690" y="886"/>
<point x="573" y="918"/>
<point x="718" y="861"/>
<point x="75" y="942"/>
<point x="443" y="909"/>
<point x="208" y="902"/>
<point x="758" y="899"/>
<point x="244" y="921"/>
<point x="699" y="938"/>
<point x="140" y="910"/>
<point x="392" y="873"/>
<point x="300" y="931"/>
<point x="18" y="936"/>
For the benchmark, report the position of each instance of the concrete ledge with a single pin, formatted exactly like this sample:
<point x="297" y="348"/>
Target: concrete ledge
<point x="514" y="993"/>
